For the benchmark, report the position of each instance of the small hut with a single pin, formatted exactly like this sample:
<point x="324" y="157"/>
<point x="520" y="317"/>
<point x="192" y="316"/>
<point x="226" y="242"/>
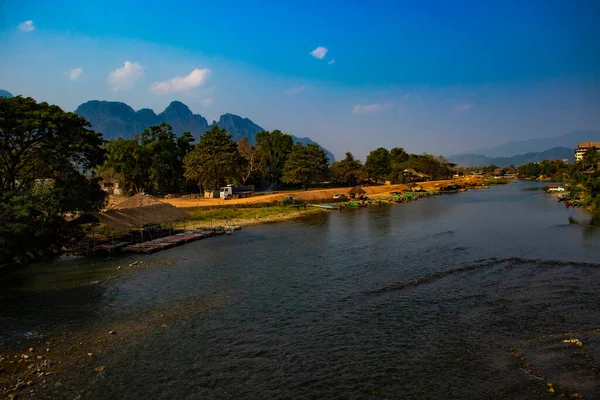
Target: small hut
<point x="415" y="176"/>
<point x="357" y="191"/>
<point x="134" y="214"/>
<point x="140" y="210"/>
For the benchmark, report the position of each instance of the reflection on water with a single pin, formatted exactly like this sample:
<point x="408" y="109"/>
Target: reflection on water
<point x="433" y="299"/>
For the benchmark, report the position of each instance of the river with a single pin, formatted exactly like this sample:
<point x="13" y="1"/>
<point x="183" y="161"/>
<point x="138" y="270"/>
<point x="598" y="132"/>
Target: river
<point x="465" y="296"/>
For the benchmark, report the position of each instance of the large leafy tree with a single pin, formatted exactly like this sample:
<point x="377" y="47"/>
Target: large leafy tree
<point x="47" y="159"/>
<point x="253" y="161"/>
<point x="377" y="165"/>
<point x="125" y="158"/>
<point x="214" y="160"/>
<point x="274" y="148"/>
<point x="159" y="148"/>
<point x="398" y="155"/>
<point x="152" y="161"/>
<point x="305" y="164"/>
<point x="435" y="167"/>
<point x="346" y="171"/>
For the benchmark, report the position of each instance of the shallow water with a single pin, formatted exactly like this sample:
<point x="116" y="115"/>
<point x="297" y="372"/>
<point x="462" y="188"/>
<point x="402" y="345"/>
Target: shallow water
<point x="418" y="300"/>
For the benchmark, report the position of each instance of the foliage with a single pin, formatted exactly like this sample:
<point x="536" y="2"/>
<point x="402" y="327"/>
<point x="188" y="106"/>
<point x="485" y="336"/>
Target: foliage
<point x="347" y="171"/>
<point x="305" y="164"/>
<point x="152" y="161"/>
<point x="253" y="161"/>
<point x="556" y="169"/>
<point x="586" y="174"/>
<point x="398" y="155"/>
<point x="273" y="148"/>
<point x="214" y="160"/>
<point x="47" y="158"/>
<point x="377" y="166"/>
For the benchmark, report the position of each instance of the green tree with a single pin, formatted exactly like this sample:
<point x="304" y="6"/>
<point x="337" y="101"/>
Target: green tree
<point x="159" y="148"/>
<point x="125" y="158"/>
<point x="214" y="160"/>
<point x="274" y="148"/>
<point x="398" y="155"/>
<point x="47" y="161"/>
<point x="346" y="171"/>
<point x="253" y="162"/>
<point x="377" y="166"/>
<point x="305" y="164"/>
<point x="152" y="161"/>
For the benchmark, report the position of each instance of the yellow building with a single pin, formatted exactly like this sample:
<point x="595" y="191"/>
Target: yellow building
<point x="583" y="147"/>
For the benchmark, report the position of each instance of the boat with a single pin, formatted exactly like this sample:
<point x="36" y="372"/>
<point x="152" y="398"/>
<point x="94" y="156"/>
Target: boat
<point x="326" y="206"/>
<point x="555" y="188"/>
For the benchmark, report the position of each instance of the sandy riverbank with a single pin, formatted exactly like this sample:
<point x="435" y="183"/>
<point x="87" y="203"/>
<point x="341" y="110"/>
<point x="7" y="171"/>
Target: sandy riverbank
<point x="321" y="194"/>
<point x="263" y="209"/>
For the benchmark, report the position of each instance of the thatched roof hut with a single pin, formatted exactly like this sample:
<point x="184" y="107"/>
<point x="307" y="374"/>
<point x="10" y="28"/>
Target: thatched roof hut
<point x="357" y="191"/>
<point x="136" y="212"/>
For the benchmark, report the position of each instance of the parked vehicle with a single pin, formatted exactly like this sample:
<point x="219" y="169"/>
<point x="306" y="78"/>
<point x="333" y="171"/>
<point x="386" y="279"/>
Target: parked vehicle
<point x="231" y="191"/>
<point x="340" y="196"/>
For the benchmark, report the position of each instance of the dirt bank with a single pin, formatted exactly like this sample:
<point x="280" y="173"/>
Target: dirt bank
<point x="319" y="194"/>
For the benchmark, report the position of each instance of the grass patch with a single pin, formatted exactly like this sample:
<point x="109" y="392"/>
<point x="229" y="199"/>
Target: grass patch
<point x="203" y="216"/>
<point x="220" y="213"/>
<point x="497" y="182"/>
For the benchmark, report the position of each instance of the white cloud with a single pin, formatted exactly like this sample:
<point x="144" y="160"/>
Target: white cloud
<point x="463" y="107"/>
<point x="74" y="73"/>
<point x="181" y="83"/>
<point x="319" y="52"/>
<point x="124" y="77"/>
<point x="296" y="90"/>
<point x="26" y="26"/>
<point x="207" y="102"/>
<point x="332" y="61"/>
<point x="366" y="108"/>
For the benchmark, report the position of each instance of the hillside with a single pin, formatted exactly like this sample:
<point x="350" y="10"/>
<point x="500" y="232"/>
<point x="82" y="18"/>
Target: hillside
<point x="568" y="140"/>
<point x="478" y="160"/>
<point x="116" y="119"/>
<point x="4" y="93"/>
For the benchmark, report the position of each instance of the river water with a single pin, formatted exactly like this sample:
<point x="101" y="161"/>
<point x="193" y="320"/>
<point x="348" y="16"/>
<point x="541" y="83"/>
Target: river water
<point x="465" y="296"/>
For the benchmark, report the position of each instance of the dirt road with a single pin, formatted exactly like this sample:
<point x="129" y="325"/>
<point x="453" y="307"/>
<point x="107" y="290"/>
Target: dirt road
<point x="316" y="194"/>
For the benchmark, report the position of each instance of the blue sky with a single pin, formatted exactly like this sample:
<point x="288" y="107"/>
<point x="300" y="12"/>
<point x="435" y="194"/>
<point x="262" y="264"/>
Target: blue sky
<point x="436" y="76"/>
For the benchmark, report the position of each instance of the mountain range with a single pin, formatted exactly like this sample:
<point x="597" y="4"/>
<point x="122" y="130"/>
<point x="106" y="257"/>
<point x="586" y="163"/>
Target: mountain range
<point x="531" y="150"/>
<point x="478" y="160"/>
<point x="118" y="120"/>
<point x="568" y="140"/>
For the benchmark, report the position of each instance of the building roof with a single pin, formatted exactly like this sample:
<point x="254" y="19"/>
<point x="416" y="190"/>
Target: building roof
<point x="357" y="190"/>
<point x="135" y="212"/>
<point x="587" y="145"/>
<point x="419" y="174"/>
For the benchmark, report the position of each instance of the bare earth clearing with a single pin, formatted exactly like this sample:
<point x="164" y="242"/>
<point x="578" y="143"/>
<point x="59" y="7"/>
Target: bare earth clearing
<point x="317" y="194"/>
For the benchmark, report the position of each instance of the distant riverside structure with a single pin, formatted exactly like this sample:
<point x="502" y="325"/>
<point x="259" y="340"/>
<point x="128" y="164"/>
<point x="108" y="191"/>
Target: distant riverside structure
<point x="583" y="147"/>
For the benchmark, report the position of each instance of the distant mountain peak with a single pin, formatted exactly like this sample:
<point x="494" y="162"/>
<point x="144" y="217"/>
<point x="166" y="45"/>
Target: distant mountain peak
<point x="5" y="93"/>
<point x="178" y="108"/>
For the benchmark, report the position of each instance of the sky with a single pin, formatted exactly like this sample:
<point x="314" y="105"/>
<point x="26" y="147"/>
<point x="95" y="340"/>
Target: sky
<point x="442" y="77"/>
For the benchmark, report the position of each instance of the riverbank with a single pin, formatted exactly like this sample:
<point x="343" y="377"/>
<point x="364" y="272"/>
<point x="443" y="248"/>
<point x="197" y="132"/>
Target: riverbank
<point x="325" y="195"/>
<point x="204" y="217"/>
<point x="207" y="213"/>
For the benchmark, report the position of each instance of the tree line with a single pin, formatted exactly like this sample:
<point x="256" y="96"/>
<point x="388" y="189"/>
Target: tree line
<point x="159" y="162"/>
